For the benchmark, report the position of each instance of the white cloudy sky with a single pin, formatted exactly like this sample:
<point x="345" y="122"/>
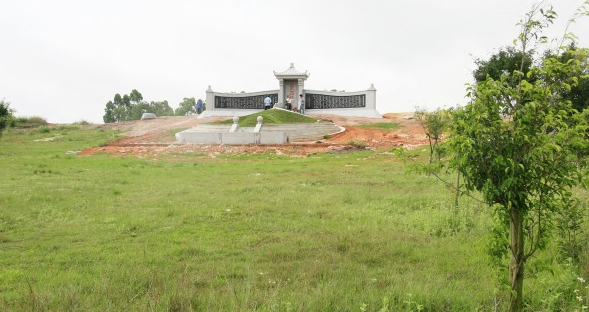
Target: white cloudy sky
<point x="64" y="59"/>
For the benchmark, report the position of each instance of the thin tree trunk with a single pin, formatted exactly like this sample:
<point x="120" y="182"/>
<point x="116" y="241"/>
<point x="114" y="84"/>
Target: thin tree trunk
<point x="516" y="265"/>
<point x="457" y="190"/>
<point x="431" y="150"/>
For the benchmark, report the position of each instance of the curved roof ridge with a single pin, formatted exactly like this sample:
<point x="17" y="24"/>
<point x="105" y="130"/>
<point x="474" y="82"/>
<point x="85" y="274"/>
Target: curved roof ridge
<point x="291" y="71"/>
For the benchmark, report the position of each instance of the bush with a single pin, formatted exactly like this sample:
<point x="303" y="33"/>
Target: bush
<point x="43" y="129"/>
<point x="29" y="122"/>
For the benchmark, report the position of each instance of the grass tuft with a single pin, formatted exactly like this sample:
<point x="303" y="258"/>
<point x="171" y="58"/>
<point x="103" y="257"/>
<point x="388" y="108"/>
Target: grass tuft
<point x="381" y="125"/>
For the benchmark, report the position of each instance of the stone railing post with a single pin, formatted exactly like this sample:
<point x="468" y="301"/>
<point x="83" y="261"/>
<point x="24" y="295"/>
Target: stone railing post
<point x="235" y="124"/>
<point x="258" y="127"/>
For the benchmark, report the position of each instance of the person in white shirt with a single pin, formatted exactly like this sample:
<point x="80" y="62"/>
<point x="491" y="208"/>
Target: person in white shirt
<point x="267" y="103"/>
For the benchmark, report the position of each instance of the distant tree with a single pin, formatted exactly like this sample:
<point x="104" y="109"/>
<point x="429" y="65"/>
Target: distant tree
<point x="120" y="111"/>
<point x="118" y="101"/>
<point x="132" y="107"/>
<point x="522" y="145"/>
<point x="160" y="108"/>
<point x="137" y="110"/>
<point x="5" y="115"/>
<point x="109" y="112"/>
<point x="186" y="107"/>
<point x="504" y="62"/>
<point x="135" y="97"/>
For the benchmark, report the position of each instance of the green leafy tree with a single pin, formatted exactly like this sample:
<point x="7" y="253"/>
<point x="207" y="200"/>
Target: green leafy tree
<point x="5" y="115"/>
<point x="505" y="61"/>
<point x="578" y="93"/>
<point x="120" y="109"/>
<point x="434" y="124"/>
<point x="132" y="106"/>
<point x="518" y="142"/>
<point x="109" y="112"/>
<point x="160" y="108"/>
<point x="135" y="97"/>
<point x="186" y="107"/>
<point x="137" y="110"/>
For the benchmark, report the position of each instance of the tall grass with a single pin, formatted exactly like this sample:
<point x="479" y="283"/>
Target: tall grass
<point x="237" y="233"/>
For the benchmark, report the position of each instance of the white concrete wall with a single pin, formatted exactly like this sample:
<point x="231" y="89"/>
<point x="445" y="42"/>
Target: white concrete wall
<point x="231" y="138"/>
<point x="368" y="111"/>
<point x="211" y="111"/>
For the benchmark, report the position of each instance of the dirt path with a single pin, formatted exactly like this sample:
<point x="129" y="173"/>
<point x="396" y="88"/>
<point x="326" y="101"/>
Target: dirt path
<point x="151" y="138"/>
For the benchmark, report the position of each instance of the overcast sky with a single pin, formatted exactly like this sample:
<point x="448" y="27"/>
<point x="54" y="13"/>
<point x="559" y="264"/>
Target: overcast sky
<point x="63" y="60"/>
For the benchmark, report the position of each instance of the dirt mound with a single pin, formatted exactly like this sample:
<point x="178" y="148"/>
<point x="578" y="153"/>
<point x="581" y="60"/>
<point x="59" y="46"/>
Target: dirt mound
<point x="150" y="138"/>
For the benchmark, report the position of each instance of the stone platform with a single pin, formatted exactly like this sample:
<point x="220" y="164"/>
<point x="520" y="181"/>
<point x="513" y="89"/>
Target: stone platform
<point x="268" y="134"/>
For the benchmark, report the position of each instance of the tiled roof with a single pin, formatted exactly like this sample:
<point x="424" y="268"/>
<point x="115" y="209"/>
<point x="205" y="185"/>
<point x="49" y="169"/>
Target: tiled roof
<point x="291" y="71"/>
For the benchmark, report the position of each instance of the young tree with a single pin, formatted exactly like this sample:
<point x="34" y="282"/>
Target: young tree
<point x="518" y="142"/>
<point x="434" y="124"/>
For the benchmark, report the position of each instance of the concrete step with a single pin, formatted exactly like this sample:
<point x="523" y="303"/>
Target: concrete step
<point x="295" y="132"/>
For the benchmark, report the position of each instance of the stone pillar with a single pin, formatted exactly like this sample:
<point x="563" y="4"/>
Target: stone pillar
<point x="281" y="92"/>
<point x="210" y="99"/>
<point x="371" y="97"/>
<point x="301" y="89"/>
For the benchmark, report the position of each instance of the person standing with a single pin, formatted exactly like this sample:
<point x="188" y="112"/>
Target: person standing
<point x="301" y="104"/>
<point x="289" y="103"/>
<point x="267" y="103"/>
<point x="199" y="106"/>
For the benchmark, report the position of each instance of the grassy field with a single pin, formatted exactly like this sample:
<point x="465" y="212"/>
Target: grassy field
<point x="329" y="232"/>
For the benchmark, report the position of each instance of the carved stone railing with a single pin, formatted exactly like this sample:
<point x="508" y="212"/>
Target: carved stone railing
<point x="218" y="101"/>
<point x="360" y="103"/>
<point x="335" y="100"/>
<point x="248" y="101"/>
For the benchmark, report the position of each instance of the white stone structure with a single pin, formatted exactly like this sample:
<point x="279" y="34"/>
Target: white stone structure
<point x="292" y="83"/>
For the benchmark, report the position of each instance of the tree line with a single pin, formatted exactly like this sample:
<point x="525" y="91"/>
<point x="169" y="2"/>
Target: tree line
<point x="132" y="106"/>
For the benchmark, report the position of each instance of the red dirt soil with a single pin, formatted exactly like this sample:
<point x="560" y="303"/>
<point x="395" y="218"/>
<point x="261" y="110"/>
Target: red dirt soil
<point x="151" y="138"/>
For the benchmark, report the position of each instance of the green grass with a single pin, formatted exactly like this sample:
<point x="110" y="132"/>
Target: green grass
<point x="28" y="122"/>
<point x="381" y="125"/>
<point x="272" y="116"/>
<point x="239" y="233"/>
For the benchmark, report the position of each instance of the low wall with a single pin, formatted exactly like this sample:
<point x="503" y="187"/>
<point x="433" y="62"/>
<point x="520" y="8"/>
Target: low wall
<point x="359" y="103"/>
<point x="236" y="104"/>
<point x="231" y="138"/>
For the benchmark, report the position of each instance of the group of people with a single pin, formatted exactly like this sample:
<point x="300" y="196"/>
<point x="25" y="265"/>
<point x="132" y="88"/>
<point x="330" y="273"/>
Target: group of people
<point x="300" y="108"/>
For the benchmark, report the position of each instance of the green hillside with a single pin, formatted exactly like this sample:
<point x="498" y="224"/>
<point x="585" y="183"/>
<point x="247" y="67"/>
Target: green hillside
<point x="272" y="116"/>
